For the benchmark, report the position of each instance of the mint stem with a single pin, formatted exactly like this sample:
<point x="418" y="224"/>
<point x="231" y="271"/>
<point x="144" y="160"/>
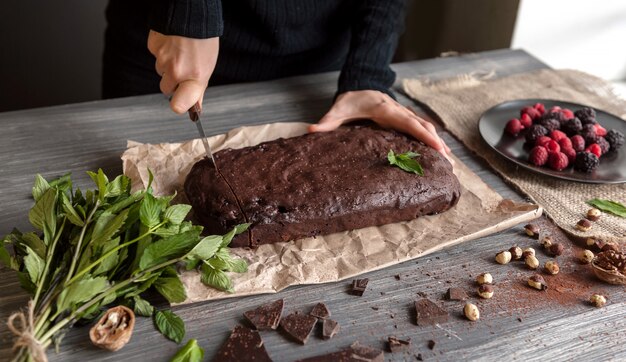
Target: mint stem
<point x="49" y="255"/>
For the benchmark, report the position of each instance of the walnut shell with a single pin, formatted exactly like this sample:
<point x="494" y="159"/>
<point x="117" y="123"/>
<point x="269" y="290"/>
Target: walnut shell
<point x="114" y="329"/>
<point x="610" y="266"/>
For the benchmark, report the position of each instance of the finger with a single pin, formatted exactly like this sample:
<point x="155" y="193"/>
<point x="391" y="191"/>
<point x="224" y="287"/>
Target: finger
<point x="159" y="66"/>
<point x="168" y="84"/>
<point x="329" y="122"/>
<point x="429" y="126"/>
<point x="186" y="95"/>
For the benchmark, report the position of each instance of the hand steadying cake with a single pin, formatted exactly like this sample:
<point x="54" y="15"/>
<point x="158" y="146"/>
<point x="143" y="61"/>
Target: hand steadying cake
<point x="198" y="43"/>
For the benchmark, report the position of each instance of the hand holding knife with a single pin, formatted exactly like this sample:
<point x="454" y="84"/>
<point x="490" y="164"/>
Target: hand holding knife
<point x="194" y="114"/>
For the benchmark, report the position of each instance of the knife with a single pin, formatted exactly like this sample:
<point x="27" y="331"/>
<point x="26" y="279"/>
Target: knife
<point x="194" y="114"/>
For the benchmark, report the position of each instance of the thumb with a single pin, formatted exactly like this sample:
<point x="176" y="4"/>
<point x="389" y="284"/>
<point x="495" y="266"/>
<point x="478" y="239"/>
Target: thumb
<point x="327" y="123"/>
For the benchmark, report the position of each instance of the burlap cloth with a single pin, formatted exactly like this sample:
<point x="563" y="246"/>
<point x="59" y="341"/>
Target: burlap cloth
<point x="460" y="102"/>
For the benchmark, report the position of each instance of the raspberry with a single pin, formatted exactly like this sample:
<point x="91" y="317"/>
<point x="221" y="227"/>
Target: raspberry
<point x="604" y="144"/>
<point x="600" y="131"/>
<point x="555" y="109"/>
<point x="558" y="161"/>
<point x="567" y="114"/>
<point x="586" y="162"/>
<point x="595" y="149"/>
<point x="550" y="124"/>
<point x="578" y="143"/>
<point x="572" y="127"/>
<point x="589" y="133"/>
<point x="526" y="121"/>
<point x="565" y="143"/>
<point x="553" y="147"/>
<point x="541" y="141"/>
<point x="538" y="156"/>
<point x="615" y="138"/>
<point x="586" y="115"/>
<point x="540" y="107"/>
<point x="513" y="127"/>
<point x="570" y="153"/>
<point x="535" y="132"/>
<point x="532" y="112"/>
<point x="557" y="135"/>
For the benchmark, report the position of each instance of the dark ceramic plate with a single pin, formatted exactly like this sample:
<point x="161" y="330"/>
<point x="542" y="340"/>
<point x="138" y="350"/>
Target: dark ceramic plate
<point x="612" y="168"/>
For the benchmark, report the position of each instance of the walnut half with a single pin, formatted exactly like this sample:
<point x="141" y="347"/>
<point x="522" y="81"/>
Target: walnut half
<point x="610" y="266"/>
<point x="114" y="329"/>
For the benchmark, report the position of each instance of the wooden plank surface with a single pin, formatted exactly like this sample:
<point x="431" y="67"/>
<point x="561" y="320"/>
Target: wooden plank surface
<point x="518" y="323"/>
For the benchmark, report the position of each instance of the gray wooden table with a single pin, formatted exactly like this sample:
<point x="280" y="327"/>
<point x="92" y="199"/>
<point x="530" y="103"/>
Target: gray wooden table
<point x="518" y="323"/>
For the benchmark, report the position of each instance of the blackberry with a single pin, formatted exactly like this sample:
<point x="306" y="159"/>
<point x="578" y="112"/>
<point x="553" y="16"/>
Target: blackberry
<point x="535" y="132"/>
<point x="572" y="127"/>
<point x="550" y="124"/>
<point x="589" y="134"/>
<point x="586" y="115"/>
<point x="604" y="144"/>
<point x="586" y="162"/>
<point x="615" y="138"/>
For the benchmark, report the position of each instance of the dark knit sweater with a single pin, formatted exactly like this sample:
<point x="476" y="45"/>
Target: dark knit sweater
<point x="267" y="39"/>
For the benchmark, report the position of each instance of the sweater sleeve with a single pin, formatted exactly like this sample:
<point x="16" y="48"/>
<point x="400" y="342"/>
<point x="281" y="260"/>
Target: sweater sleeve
<point x="198" y="19"/>
<point x="375" y="31"/>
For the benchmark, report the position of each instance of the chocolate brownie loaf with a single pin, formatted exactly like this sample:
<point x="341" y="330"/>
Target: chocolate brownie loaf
<point x="318" y="184"/>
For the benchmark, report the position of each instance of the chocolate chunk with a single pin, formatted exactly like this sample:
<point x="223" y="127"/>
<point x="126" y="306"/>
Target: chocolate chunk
<point x="330" y="328"/>
<point x="298" y="326"/>
<point x="356" y="353"/>
<point x="244" y="344"/>
<point x="397" y="276"/>
<point x="429" y="313"/>
<point x="455" y="293"/>
<point x="359" y="286"/>
<point x="431" y="344"/>
<point x="320" y="311"/>
<point x="266" y="316"/>
<point x="398" y="345"/>
<point x="419" y="357"/>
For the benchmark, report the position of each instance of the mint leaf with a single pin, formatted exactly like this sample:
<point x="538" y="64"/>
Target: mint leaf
<point x="101" y="181"/>
<point x="110" y="261"/>
<point x="170" y="325"/>
<point x="142" y="307"/>
<point x="191" y="352"/>
<point x="62" y="183"/>
<point x="34" y="265"/>
<point x="171" y="288"/>
<point x="206" y="248"/>
<point x="107" y="226"/>
<point x="40" y="187"/>
<point x="35" y="243"/>
<point x="168" y="248"/>
<point x="216" y="278"/>
<point x="70" y="212"/>
<point x="177" y="213"/>
<point x="81" y="291"/>
<point x="5" y="257"/>
<point x="406" y="161"/>
<point x="44" y="211"/>
<point x="150" y="211"/>
<point x="226" y="239"/>
<point x="117" y="186"/>
<point x="612" y="207"/>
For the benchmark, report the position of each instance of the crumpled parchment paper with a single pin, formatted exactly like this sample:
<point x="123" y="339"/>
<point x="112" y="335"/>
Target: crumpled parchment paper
<point x="480" y="212"/>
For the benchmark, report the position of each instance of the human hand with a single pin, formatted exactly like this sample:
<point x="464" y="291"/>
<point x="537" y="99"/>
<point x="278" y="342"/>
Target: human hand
<point x="185" y="66"/>
<point x="385" y="111"/>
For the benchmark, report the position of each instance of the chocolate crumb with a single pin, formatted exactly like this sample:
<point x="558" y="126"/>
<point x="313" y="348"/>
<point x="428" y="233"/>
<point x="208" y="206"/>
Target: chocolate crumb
<point x="375" y="308"/>
<point x="431" y="344"/>
<point x="419" y="357"/>
<point x="397" y="276"/>
<point x="398" y="345"/>
<point x="519" y="319"/>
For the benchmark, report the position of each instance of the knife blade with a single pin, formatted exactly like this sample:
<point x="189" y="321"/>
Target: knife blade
<point x="194" y="114"/>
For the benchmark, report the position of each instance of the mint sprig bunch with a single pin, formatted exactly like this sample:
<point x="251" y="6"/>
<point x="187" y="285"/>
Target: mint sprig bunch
<point x="108" y="245"/>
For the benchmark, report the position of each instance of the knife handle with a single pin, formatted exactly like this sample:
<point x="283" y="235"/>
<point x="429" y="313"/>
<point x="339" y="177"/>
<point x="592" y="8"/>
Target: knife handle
<point x="195" y="111"/>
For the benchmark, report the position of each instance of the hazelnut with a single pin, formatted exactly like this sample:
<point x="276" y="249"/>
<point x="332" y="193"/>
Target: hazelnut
<point x="531" y="262"/>
<point x="503" y="257"/>
<point x="609" y="246"/>
<point x="546" y="241"/>
<point x="484" y="278"/>
<point x="597" y="300"/>
<point x="551" y="267"/>
<point x="516" y="252"/>
<point x="585" y="256"/>
<point x="556" y="249"/>
<point x="583" y="225"/>
<point x="593" y="214"/>
<point x="590" y="241"/>
<point x="537" y="282"/>
<point x="532" y="230"/>
<point x="528" y="252"/>
<point x="485" y="291"/>
<point x="471" y="312"/>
